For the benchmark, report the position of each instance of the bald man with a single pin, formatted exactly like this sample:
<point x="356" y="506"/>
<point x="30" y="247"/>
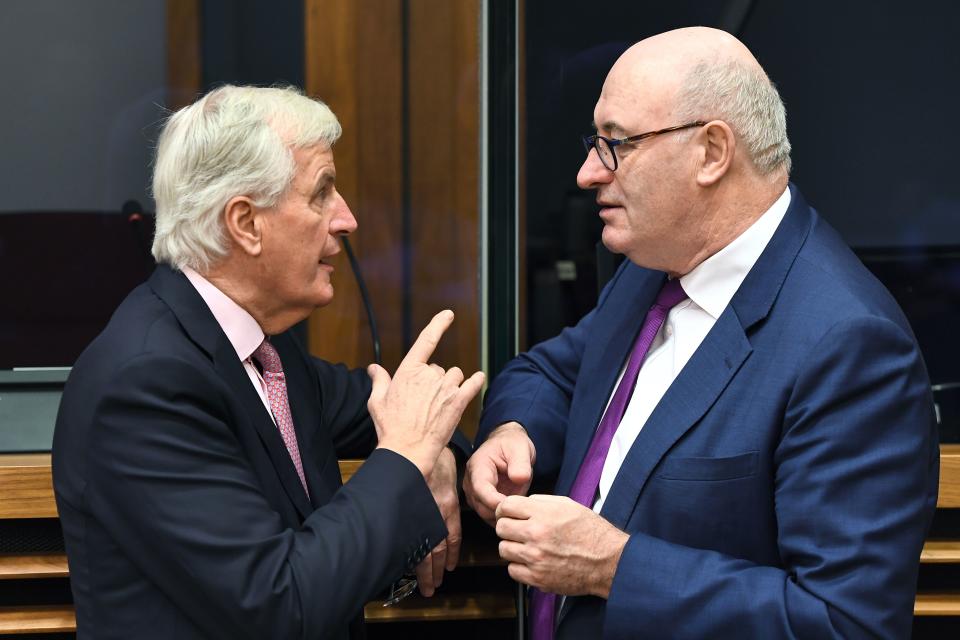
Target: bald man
<point x="740" y="435"/>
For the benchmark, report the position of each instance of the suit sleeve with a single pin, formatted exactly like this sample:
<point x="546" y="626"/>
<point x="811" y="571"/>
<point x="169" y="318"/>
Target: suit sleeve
<point x="536" y="387"/>
<point x="855" y="488"/>
<point x="169" y="481"/>
<point x="344" y="393"/>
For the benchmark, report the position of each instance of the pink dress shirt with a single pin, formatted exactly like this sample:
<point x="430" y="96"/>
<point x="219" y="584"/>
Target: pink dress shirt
<point x="242" y="330"/>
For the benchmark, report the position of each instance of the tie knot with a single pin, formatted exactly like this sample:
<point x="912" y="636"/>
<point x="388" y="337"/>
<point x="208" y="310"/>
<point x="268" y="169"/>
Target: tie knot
<point x="268" y="357"/>
<point x="671" y="294"/>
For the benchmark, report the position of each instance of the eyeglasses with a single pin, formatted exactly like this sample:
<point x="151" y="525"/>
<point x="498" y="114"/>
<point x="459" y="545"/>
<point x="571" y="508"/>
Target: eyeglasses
<point x="604" y="146"/>
<point x="400" y="589"/>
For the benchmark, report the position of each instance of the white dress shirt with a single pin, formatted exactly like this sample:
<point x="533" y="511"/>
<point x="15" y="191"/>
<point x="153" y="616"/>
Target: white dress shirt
<point x="709" y="288"/>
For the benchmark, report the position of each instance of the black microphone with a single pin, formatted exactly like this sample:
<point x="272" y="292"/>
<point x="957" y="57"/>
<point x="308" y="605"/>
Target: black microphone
<point x="133" y="212"/>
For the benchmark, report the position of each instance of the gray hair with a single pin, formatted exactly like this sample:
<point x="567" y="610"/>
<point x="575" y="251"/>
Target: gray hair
<point x="233" y="141"/>
<point x="746" y="99"/>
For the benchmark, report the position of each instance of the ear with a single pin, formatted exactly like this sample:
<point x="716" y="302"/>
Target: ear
<point x="718" y="148"/>
<point x="241" y="221"/>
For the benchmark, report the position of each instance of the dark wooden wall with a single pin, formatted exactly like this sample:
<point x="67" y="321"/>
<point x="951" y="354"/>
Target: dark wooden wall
<point x="403" y="78"/>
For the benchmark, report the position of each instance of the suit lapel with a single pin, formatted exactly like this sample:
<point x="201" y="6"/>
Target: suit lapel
<point x="755" y="297"/>
<point x="603" y="363"/>
<point x="697" y="387"/>
<point x="692" y="393"/>
<point x="202" y="327"/>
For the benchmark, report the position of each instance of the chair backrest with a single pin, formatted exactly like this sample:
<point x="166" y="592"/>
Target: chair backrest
<point x="62" y="274"/>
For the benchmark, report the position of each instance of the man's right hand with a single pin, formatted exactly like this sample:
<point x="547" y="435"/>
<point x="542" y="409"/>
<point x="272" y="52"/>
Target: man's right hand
<point x="502" y="466"/>
<point x="417" y="410"/>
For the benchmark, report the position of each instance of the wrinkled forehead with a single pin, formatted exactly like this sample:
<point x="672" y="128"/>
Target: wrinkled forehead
<point x="634" y="98"/>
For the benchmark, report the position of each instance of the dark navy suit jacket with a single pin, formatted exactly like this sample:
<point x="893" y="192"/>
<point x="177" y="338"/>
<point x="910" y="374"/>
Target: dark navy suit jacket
<point x="783" y="486"/>
<point x="182" y="512"/>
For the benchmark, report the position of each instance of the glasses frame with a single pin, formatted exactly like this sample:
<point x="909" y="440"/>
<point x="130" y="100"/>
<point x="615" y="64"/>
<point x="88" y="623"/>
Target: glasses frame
<point x="401" y="589"/>
<point x="593" y="141"/>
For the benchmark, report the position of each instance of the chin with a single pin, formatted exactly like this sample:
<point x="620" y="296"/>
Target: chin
<point x="324" y="296"/>
<point x="612" y="241"/>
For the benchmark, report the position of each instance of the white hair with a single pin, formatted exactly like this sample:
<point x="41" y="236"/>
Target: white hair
<point x="746" y="99"/>
<point x="234" y="141"/>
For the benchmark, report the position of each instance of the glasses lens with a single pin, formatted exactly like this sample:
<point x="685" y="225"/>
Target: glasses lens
<point x="606" y="154"/>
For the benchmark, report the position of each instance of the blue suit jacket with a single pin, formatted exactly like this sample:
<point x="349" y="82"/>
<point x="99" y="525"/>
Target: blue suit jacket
<point x="182" y="512"/>
<point x="783" y="486"/>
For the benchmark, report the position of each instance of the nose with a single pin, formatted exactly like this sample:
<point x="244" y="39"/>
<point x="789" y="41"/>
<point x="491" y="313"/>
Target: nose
<point x="343" y="223"/>
<point x="592" y="172"/>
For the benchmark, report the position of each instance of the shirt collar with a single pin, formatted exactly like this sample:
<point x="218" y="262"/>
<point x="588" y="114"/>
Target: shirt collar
<point x="242" y="330"/>
<point x="713" y="282"/>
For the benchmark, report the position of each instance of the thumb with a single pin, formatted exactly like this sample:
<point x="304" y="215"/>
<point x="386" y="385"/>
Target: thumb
<point x="381" y="382"/>
<point x="519" y="468"/>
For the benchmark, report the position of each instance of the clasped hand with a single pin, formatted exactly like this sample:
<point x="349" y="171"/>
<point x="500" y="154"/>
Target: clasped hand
<point x="550" y="542"/>
<point x="558" y="545"/>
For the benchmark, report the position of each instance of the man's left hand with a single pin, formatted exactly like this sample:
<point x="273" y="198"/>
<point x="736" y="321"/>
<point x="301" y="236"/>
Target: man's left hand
<point x="443" y="485"/>
<point x="558" y="545"/>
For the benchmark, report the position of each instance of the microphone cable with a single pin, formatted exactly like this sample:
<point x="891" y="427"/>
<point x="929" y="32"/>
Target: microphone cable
<point x="365" y="296"/>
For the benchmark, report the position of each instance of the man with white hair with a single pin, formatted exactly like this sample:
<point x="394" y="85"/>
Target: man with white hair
<point x="195" y="452"/>
<point x="740" y="435"/>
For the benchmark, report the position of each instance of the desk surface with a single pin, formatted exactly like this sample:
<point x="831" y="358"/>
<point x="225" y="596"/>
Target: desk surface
<point x="26" y="486"/>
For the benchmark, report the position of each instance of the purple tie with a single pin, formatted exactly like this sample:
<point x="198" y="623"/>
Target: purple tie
<point x="584" y="489"/>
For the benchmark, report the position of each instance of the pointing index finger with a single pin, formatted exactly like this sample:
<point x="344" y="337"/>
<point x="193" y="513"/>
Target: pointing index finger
<point x="428" y="339"/>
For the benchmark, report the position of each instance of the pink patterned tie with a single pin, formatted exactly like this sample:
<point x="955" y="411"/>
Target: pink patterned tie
<point x="269" y="359"/>
<point x="584" y="488"/>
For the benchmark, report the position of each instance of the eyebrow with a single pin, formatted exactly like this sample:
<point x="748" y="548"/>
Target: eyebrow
<point x="325" y="178"/>
<point x="610" y="126"/>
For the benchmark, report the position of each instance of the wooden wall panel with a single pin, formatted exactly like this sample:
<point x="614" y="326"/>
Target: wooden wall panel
<point x="355" y="64"/>
<point x="184" y="69"/>
<point x="444" y="167"/>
